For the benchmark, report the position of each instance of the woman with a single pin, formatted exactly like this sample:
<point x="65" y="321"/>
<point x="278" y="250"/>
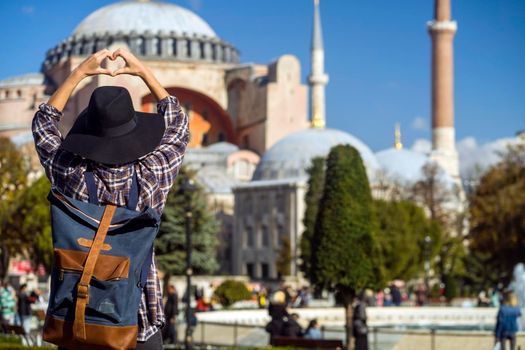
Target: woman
<point x="116" y="143"/>
<point x="360" y="329"/>
<point x="313" y="331"/>
<point x="278" y="313"/>
<point x="507" y="321"/>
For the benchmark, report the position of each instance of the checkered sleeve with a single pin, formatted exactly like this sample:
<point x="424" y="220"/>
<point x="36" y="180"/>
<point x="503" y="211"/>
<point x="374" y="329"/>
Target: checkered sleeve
<point x="46" y="134"/>
<point x="166" y="159"/>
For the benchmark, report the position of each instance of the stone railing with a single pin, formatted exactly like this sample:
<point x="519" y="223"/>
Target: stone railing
<point x="377" y="316"/>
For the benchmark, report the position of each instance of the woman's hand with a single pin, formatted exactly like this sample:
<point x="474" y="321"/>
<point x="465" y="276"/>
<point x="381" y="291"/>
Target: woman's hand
<point x="91" y="65"/>
<point x="133" y="65"/>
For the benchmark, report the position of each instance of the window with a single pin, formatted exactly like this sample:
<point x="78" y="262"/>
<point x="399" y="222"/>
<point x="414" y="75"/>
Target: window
<point x="221" y="137"/>
<point x="250" y="237"/>
<point x="205" y="139"/>
<point x="265" y="270"/>
<point x="19" y="93"/>
<point x="265" y="236"/>
<point x="187" y="108"/>
<point x="188" y="45"/>
<point x="246" y="141"/>
<point x="250" y="271"/>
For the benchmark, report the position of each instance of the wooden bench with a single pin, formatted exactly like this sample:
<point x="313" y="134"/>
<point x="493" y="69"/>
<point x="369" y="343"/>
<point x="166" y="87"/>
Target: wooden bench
<point x="308" y="343"/>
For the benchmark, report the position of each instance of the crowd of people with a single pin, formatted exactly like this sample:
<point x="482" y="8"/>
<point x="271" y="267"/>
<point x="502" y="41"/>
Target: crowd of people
<point x="15" y="305"/>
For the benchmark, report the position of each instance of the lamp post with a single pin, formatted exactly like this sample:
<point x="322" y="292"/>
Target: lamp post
<point x="428" y="241"/>
<point x="187" y="189"/>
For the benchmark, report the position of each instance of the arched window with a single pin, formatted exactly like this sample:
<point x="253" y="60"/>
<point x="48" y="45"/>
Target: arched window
<point x="19" y="93"/>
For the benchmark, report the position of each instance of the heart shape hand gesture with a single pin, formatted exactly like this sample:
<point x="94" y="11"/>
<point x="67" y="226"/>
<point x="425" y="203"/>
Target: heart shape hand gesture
<point x="92" y="65"/>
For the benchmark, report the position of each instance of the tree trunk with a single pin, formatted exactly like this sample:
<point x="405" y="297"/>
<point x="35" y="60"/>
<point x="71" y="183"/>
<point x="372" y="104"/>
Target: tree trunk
<point x="349" y="314"/>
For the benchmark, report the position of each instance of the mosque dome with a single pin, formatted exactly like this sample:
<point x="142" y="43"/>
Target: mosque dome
<point x="290" y="157"/>
<point x="141" y="17"/>
<point x="151" y="29"/>
<point x="403" y="165"/>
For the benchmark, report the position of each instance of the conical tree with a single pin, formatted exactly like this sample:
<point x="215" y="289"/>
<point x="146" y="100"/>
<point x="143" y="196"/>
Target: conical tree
<point x="170" y="244"/>
<point x="312" y="198"/>
<point x="345" y="257"/>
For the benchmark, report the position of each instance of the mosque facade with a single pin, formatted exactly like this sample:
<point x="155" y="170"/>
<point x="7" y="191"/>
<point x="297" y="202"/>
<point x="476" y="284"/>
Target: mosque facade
<point x="252" y="133"/>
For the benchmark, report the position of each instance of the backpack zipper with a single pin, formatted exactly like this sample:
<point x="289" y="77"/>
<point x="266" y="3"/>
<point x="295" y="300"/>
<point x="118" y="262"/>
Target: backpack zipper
<point x="63" y="270"/>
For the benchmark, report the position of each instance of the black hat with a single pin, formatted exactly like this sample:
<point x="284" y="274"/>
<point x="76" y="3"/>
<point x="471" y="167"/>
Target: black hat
<point x="110" y="131"/>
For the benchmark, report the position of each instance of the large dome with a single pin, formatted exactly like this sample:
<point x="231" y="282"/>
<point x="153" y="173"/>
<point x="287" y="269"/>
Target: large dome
<point x="143" y="16"/>
<point x="151" y="29"/>
<point x="290" y="157"/>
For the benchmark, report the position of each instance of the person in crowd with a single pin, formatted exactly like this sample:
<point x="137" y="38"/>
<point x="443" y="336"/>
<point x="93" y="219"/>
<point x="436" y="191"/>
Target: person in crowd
<point x="171" y="310"/>
<point x="313" y="331"/>
<point x="24" y="302"/>
<point x="421" y="295"/>
<point x="292" y="328"/>
<point x="507" y="321"/>
<point x="360" y="328"/>
<point x="278" y="313"/>
<point x="483" y="299"/>
<point x="7" y="305"/>
<point x="396" y="295"/>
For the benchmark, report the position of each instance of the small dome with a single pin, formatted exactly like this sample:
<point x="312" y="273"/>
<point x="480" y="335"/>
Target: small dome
<point x="290" y="157"/>
<point x="223" y="147"/>
<point x="141" y="16"/>
<point x="21" y="80"/>
<point x="402" y="164"/>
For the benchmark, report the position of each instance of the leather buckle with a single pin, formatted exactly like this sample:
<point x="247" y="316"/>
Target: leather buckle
<point x="83" y="291"/>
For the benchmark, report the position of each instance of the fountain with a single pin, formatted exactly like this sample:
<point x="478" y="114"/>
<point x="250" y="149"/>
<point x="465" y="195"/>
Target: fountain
<point x="518" y="287"/>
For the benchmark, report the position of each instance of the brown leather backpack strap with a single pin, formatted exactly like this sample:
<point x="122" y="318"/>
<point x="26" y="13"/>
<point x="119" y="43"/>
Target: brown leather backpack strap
<point x="79" y="325"/>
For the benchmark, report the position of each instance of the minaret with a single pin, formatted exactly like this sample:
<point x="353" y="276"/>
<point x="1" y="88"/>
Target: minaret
<point x="397" y="138"/>
<point x="317" y="79"/>
<point x="442" y="30"/>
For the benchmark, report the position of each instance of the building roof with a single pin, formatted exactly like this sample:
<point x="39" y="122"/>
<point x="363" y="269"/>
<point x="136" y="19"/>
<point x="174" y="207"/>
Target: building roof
<point x="21" y="80"/>
<point x="142" y="16"/>
<point x="291" y="156"/>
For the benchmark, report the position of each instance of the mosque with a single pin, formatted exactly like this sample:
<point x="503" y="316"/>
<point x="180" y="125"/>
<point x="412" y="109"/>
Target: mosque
<point x="252" y="133"/>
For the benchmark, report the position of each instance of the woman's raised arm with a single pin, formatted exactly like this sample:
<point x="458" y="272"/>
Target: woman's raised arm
<point x="135" y="67"/>
<point x="90" y="66"/>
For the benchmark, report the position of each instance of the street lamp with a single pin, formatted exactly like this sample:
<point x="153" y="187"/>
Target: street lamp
<point x="187" y="188"/>
<point x="428" y="241"/>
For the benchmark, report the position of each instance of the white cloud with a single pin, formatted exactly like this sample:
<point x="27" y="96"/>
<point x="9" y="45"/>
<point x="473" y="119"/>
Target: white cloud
<point x="419" y="123"/>
<point x="422" y="146"/>
<point x="28" y="10"/>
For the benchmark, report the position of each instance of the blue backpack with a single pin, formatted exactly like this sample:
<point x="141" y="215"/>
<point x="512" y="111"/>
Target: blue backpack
<point x="102" y="256"/>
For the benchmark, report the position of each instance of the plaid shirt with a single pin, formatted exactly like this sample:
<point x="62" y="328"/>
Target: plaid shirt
<point x="156" y="173"/>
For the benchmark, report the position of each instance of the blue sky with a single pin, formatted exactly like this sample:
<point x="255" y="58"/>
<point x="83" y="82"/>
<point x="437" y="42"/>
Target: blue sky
<point x="377" y="56"/>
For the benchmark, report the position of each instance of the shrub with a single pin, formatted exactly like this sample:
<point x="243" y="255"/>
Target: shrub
<point x="231" y="291"/>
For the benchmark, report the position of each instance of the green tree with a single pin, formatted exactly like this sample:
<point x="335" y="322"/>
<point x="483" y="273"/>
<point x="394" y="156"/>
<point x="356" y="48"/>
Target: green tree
<point x="402" y="228"/>
<point x="34" y="220"/>
<point x="170" y="245"/>
<point x="346" y="258"/>
<point x="284" y="257"/>
<point x="231" y="291"/>
<point x="312" y="198"/>
<point x="497" y="215"/>
<point x="445" y="205"/>
<point x="13" y="180"/>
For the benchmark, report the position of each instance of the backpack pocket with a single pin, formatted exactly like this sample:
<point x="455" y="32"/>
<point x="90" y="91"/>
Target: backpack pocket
<point x="108" y="284"/>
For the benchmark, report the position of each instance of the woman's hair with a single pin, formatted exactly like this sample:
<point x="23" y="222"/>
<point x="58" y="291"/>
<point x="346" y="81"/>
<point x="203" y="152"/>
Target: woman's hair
<point x="312" y="323"/>
<point x="279" y="297"/>
<point x="510" y="299"/>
